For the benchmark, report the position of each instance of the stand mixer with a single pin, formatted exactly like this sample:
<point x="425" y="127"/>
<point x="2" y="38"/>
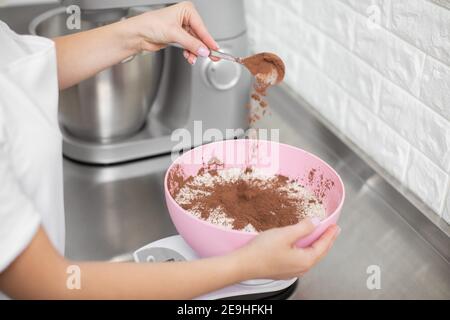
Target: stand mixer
<point x="109" y="123"/>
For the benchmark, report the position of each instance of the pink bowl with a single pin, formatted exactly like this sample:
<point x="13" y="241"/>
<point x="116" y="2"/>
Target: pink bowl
<point x="208" y="239"/>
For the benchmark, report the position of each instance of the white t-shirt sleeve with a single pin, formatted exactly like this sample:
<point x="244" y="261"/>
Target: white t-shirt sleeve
<point x="19" y="220"/>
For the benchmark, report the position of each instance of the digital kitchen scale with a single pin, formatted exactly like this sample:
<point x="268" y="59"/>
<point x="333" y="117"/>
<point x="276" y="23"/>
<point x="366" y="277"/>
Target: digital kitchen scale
<point x="174" y="248"/>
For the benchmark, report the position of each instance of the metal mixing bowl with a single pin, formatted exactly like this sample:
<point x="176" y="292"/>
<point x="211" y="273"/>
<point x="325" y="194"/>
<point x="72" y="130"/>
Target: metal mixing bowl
<point x="112" y="104"/>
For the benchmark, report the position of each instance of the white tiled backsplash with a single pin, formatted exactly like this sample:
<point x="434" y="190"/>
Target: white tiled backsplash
<point x="379" y="70"/>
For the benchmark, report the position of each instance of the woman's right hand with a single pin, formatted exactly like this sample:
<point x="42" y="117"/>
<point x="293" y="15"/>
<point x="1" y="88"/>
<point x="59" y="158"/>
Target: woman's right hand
<point x="179" y="23"/>
<point x="273" y="254"/>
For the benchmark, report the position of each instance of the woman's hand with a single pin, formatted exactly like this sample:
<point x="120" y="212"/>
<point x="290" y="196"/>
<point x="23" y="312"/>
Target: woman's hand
<point x="180" y="24"/>
<point x="111" y="44"/>
<point x="273" y="253"/>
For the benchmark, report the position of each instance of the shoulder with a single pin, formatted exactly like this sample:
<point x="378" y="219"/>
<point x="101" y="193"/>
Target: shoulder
<point x="5" y="31"/>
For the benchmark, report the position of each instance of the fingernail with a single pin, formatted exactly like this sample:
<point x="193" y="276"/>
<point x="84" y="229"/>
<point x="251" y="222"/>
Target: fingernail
<point x="185" y="54"/>
<point x="194" y="60"/>
<point x="315" y="221"/>
<point x="338" y="231"/>
<point x="203" y="52"/>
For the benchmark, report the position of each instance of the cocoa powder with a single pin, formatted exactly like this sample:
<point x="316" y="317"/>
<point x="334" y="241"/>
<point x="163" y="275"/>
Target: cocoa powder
<point x="249" y="200"/>
<point x="268" y="69"/>
<point x="263" y="66"/>
<point x="256" y="97"/>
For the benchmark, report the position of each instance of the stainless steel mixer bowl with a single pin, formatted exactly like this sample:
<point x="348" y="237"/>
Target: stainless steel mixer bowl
<point x="114" y="103"/>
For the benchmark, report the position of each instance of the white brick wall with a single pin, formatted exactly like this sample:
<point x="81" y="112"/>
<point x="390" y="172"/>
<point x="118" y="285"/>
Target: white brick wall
<point x="379" y="70"/>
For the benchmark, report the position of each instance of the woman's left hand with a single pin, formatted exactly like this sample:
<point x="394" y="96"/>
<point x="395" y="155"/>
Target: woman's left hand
<point x="180" y="23"/>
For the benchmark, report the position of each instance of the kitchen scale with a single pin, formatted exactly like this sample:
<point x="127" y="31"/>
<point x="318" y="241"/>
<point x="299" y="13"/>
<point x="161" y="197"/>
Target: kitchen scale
<point x="174" y="248"/>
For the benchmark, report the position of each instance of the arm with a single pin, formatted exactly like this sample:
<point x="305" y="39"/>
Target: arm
<point x="40" y="273"/>
<point x="29" y="277"/>
<point x="84" y="54"/>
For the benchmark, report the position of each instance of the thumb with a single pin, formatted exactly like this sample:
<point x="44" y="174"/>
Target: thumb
<point x="191" y="43"/>
<point x="300" y="230"/>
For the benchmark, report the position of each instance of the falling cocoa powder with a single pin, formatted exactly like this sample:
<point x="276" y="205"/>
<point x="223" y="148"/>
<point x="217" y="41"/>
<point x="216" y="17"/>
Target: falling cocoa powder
<point x="256" y="97"/>
<point x="268" y="69"/>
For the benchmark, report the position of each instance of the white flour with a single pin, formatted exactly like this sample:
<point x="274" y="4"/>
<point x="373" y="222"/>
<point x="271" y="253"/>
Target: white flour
<point x="311" y="206"/>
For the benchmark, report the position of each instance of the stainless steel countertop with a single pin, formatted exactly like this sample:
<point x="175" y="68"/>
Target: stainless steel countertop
<point x="111" y="211"/>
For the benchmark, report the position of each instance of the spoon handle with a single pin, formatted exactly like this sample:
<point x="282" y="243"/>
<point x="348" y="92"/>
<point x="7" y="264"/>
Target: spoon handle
<point x="225" y="56"/>
<point x="215" y="54"/>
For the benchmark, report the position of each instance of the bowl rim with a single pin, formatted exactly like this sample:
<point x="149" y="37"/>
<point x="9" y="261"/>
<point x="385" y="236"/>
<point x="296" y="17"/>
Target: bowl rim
<point x="169" y="197"/>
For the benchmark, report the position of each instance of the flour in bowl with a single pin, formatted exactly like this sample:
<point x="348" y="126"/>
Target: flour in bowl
<point x="246" y="199"/>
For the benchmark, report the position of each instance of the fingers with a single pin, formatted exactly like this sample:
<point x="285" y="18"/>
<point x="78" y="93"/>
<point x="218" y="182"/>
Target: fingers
<point x="299" y="230"/>
<point x="191" y="58"/>
<point x="321" y="246"/>
<point x="195" y="36"/>
<point x="190" y="43"/>
<point x="196" y="23"/>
